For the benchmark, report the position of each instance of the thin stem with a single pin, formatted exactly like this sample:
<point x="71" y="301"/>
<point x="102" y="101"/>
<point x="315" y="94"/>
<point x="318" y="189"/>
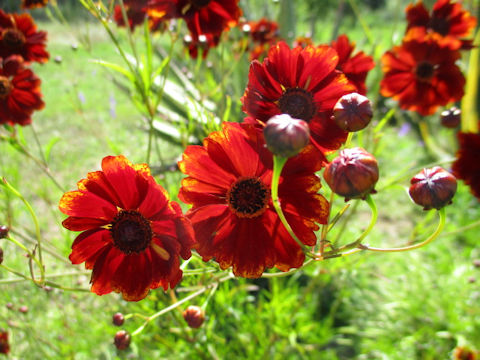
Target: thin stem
<point x="359" y="240"/>
<point x="30" y="254"/>
<point x="278" y="163"/>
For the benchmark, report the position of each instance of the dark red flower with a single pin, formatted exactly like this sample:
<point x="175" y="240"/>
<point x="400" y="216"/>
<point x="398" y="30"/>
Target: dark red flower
<point x="203" y="17"/>
<point x="467" y="166"/>
<point x="447" y="19"/>
<point x="228" y="185"/>
<point x="302" y="41"/>
<point x="32" y="4"/>
<point x="19" y="36"/>
<point x="263" y="34"/>
<point x="422" y="75"/>
<point x="202" y="44"/>
<point x="302" y="83"/>
<point x="135" y="11"/>
<point x="4" y="345"/>
<point x="20" y="92"/>
<point x="132" y="235"/>
<point x="355" y="67"/>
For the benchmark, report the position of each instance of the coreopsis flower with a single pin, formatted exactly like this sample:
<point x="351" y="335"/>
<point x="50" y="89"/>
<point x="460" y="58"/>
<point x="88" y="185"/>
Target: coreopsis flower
<point x="201" y="44"/>
<point x="466" y="166"/>
<point x="421" y="74"/>
<point x="203" y="17"/>
<point x="19" y="36"/>
<point x="263" y="34"/>
<point x="433" y="188"/>
<point x="355" y="67"/>
<point x="132" y="235"/>
<point x="448" y="19"/>
<point x="464" y="353"/>
<point x="302" y="41"/>
<point x="4" y="345"/>
<point x="135" y="11"/>
<point x="20" y="92"/>
<point x="33" y="4"/>
<point x="228" y="186"/>
<point x="302" y="83"/>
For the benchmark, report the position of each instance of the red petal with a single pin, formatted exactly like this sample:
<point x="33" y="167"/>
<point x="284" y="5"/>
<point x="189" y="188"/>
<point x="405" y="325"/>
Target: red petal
<point x="86" y="205"/>
<point x="104" y="268"/>
<point x="88" y="244"/>
<point x="133" y="277"/>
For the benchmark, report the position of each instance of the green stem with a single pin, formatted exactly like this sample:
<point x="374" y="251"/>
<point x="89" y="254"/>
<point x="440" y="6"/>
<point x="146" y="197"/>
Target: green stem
<point x="359" y="240"/>
<point x="30" y="254"/>
<point x="278" y="163"/>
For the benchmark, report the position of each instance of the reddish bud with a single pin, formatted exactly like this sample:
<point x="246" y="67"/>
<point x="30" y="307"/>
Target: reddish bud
<point x="4" y="345"/>
<point x="353" y="174"/>
<point x="352" y="112"/>
<point x="433" y="188"/>
<point x="23" y="309"/>
<point x="1" y="255"/>
<point x="194" y="316"/>
<point x="476" y="263"/>
<point x="9" y="305"/>
<point x="122" y="340"/>
<point x="451" y="118"/>
<point x="118" y="319"/>
<point x="3" y="231"/>
<point x="464" y="353"/>
<point x="286" y="136"/>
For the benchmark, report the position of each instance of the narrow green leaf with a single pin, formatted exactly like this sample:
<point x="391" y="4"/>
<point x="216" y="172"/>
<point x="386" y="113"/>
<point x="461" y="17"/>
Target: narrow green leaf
<point x="117" y="68"/>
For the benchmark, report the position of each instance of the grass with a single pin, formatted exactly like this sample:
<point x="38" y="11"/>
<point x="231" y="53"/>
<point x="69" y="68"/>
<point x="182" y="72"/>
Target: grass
<point x="416" y="305"/>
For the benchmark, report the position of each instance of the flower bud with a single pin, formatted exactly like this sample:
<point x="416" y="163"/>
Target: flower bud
<point x="286" y="136"/>
<point x="3" y="231"/>
<point x="451" y="118"/>
<point x="194" y="316"/>
<point x="353" y="174"/>
<point x="433" y="188"/>
<point x="464" y="353"/>
<point x="352" y="112"/>
<point x="122" y="340"/>
<point x="4" y="345"/>
<point x="23" y="309"/>
<point x="1" y="255"/>
<point x="118" y="319"/>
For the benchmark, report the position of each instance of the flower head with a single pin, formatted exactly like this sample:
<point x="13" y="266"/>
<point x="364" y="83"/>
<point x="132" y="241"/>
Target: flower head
<point x="422" y="75"/>
<point x="263" y="34"/>
<point x="135" y="11"/>
<point x="132" y="235"/>
<point x="447" y="19"/>
<point x="302" y="83"/>
<point x="32" y="4"/>
<point x="433" y="188"/>
<point x="467" y="167"/>
<point x="19" y="36"/>
<point x="228" y="186"/>
<point x="355" y="67"/>
<point x="20" y="92"/>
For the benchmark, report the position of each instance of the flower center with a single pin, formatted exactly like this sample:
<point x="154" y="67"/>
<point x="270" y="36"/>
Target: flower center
<point x="297" y="103"/>
<point x="5" y="87"/>
<point x="131" y="232"/>
<point x="200" y="3"/>
<point x="440" y="25"/>
<point x="425" y="70"/>
<point x="13" y="38"/>
<point x="248" y="197"/>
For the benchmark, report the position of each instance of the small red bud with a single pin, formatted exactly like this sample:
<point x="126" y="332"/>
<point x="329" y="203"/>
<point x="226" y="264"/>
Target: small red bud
<point x="1" y="255"/>
<point x="118" y="319"/>
<point x="352" y="112"/>
<point x="3" y="231"/>
<point x="353" y="174"/>
<point x="23" y="309"/>
<point x="286" y="136"/>
<point x="4" y="345"/>
<point x="464" y="353"/>
<point x="122" y="340"/>
<point x="194" y="316"/>
<point x="451" y="118"/>
<point x="9" y="305"/>
<point x="433" y="188"/>
<point x="476" y="263"/>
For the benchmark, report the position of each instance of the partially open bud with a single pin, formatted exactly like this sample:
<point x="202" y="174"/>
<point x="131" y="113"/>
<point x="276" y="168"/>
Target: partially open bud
<point x="451" y="118"/>
<point x="353" y="174"/>
<point x="122" y="340"/>
<point x="433" y="188"/>
<point x="118" y="319"/>
<point x="352" y="112"/>
<point x="194" y="316"/>
<point x="286" y="136"/>
<point x="3" y="231"/>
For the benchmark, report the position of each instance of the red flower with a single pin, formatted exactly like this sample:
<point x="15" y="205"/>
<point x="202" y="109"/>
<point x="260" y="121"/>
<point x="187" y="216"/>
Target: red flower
<point x="19" y="36"/>
<point x="20" y="92"/>
<point x="4" y="345"/>
<point x="202" y="44"/>
<point x="355" y="67"/>
<point x="203" y="17"/>
<point x="467" y="166"/>
<point x="228" y="184"/>
<point x="421" y="74"/>
<point x="135" y="11"/>
<point x="302" y="83"/>
<point x="32" y="4"/>
<point x="132" y="235"/>
<point x="302" y="41"/>
<point x="263" y="33"/>
<point x="447" y="19"/>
